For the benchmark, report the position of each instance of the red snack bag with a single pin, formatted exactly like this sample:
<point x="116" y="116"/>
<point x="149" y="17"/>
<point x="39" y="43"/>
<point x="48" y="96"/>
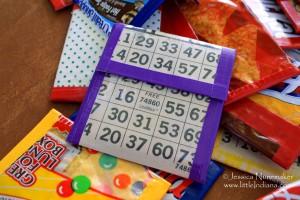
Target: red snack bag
<point x="292" y="10"/>
<point x="60" y="4"/>
<point x="260" y="62"/>
<point x="288" y="192"/>
<point x="273" y="19"/>
<point x="269" y="121"/>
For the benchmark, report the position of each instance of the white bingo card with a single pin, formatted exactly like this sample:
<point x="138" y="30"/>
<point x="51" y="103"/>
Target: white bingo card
<point x="166" y="53"/>
<point x="162" y="123"/>
<point x="156" y="99"/>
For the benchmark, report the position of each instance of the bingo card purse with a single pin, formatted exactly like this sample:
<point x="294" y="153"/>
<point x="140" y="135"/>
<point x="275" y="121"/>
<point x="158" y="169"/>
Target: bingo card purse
<point x="156" y="99"/>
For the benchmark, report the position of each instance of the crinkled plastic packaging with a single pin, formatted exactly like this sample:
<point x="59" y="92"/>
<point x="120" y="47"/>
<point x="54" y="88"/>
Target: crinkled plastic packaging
<point x="234" y="152"/>
<point x="83" y="47"/>
<point x="105" y="13"/>
<point x="260" y="62"/>
<point x="292" y="10"/>
<point x="270" y="121"/>
<point x="288" y="192"/>
<point x="44" y="166"/>
<point x="271" y="16"/>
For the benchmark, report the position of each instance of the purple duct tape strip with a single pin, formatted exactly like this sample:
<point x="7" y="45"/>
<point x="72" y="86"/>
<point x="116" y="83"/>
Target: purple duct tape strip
<point x="85" y="108"/>
<point x="110" y="45"/>
<point x="87" y="104"/>
<point x="171" y="81"/>
<point x="206" y="141"/>
<point x="212" y="119"/>
<point x="218" y="90"/>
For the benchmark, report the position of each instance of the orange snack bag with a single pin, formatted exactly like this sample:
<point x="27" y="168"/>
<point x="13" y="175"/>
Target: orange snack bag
<point x="260" y="62"/>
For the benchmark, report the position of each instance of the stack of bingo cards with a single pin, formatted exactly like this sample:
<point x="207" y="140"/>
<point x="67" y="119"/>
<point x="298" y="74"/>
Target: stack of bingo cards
<point x="44" y="166"/>
<point x="156" y="99"/>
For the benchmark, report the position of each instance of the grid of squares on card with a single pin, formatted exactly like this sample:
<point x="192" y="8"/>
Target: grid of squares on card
<point x="167" y="53"/>
<point x="139" y="117"/>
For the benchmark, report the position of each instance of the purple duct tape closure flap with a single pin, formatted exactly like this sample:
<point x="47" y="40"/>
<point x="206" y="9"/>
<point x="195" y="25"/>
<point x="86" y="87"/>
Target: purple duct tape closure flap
<point x="222" y="73"/>
<point x="199" y="69"/>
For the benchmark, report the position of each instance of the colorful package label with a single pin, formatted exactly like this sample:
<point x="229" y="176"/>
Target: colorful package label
<point x="270" y="15"/>
<point x="294" y="54"/>
<point x="292" y="10"/>
<point x="289" y="192"/>
<point x="105" y="13"/>
<point x="82" y="49"/>
<point x="232" y="151"/>
<point x="165" y="114"/>
<point x="118" y="11"/>
<point x="287" y="91"/>
<point x="52" y="168"/>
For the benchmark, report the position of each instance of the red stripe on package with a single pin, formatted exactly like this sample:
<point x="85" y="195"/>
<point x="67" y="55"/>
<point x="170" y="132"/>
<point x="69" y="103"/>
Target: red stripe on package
<point x="60" y="4"/>
<point x="65" y="94"/>
<point x="260" y="62"/>
<point x="172" y="18"/>
<point x="292" y="10"/>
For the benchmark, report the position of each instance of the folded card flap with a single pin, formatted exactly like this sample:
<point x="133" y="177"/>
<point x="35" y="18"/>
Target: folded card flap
<point x="168" y="60"/>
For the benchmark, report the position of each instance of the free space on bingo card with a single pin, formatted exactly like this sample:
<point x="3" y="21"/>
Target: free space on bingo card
<point x="156" y="99"/>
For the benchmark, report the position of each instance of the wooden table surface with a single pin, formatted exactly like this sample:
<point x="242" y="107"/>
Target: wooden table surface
<point x="31" y="41"/>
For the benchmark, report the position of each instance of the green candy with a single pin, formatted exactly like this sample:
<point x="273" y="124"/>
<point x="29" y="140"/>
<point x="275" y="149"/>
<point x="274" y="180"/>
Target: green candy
<point x="107" y="161"/>
<point x="81" y="184"/>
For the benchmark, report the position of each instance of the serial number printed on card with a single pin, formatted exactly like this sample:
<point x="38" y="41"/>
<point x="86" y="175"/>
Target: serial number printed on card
<point x="131" y="118"/>
<point x="167" y="53"/>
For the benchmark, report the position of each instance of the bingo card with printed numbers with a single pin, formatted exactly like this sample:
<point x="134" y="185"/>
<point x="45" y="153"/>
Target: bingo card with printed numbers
<point x="156" y="99"/>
